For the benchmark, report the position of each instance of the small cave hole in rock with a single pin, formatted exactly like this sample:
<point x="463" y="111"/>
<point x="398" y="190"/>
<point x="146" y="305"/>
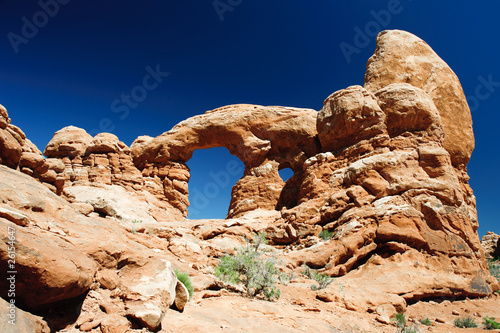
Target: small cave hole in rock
<point x="286" y="173"/>
<point x="288" y="196"/>
<point x="214" y="172"/>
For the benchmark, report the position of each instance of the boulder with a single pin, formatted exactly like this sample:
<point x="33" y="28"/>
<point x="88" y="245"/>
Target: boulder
<point x="69" y="141"/>
<point x="150" y="290"/>
<point x="15" y="216"/>
<point x="115" y="324"/>
<point x="59" y="272"/>
<point x="10" y="149"/>
<point x="4" y="117"/>
<point x="181" y="296"/>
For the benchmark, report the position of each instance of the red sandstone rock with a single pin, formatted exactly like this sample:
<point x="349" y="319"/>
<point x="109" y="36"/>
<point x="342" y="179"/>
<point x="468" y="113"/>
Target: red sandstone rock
<point x="401" y="57"/>
<point x="381" y="167"/>
<point x="20" y="321"/>
<point x="59" y="260"/>
<point x="18" y="152"/>
<point x="10" y="149"/>
<point x="104" y="160"/>
<point x="70" y="142"/>
<point x="266" y="139"/>
<point x="114" y="324"/>
<point x="59" y="272"/>
<point x="348" y="117"/>
<point x="4" y="117"/>
<point x="490" y="243"/>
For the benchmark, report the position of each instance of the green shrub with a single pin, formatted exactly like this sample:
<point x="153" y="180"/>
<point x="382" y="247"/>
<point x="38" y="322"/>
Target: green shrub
<point x="307" y="271"/>
<point x="136" y="221"/>
<point x="425" y="321"/>
<point x="489" y="323"/>
<point x="258" y="274"/>
<point x="466" y="322"/>
<point x="323" y="279"/>
<point x="400" y="320"/>
<point x="325" y="234"/>
<point x="184" y="278"/>
<point x="402" y="326"/>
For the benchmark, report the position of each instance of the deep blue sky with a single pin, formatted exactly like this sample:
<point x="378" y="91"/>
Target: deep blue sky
<point x="90" y="52"/>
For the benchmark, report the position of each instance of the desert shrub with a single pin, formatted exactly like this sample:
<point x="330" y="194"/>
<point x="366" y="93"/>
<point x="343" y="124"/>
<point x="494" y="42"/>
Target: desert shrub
<point x="489" y="323"/>
<point x="466" y="322"/>
<point x="136" y="221"/>
<point x="307" y="271"/>
<point x="402" y="326"/>
<point x="425" y="321"/>
<point x="325" y="234"/>
<point x="248" y="266"/>
<point x="322" y="279"/>
<point x="400" y="320"/>
<point x="184" y="278"/>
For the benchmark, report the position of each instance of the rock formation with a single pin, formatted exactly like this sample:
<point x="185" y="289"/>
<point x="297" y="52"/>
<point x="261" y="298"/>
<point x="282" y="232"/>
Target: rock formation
<point x="401" y="57"/>
<point x="491" y="245"/>
<point x="105" y="162"/>
<point x="18" y="152"/>
<point x="61" y="255"/>
<point x="265" y="139"/>
<point x="381" y="167"/>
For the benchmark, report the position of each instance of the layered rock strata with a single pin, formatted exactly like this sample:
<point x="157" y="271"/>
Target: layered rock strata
<point x="105" y="162"/>
<point x="18" y="152"/>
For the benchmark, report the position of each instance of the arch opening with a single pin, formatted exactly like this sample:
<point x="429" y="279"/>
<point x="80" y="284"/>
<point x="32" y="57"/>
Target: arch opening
<point x="289" y="193"/>
<point x="214" y="172"/>
<point x="285" y="173"/>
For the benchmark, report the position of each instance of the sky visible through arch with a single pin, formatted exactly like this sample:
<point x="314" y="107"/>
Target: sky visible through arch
<point x="70" y="62"/>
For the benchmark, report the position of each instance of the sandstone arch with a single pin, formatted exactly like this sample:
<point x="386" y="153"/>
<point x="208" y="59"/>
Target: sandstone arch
<point x="382" y="166"/>
<point x="263" y="138"/>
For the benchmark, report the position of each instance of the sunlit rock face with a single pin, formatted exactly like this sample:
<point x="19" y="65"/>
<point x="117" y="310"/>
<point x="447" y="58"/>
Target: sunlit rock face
<point x="382" y="167"/>
<point x="18" y="152"/>
<point x="265" y="139"/>
<point x="391" y="183"/>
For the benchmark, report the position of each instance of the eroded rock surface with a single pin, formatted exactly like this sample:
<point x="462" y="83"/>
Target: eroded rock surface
<point x="265" y="139"/>
<point x="103" y="164"/>
<point x="401" y="57"/>
<point x="382" y="168"/>
<point x="61" y="255"/>
<point x="19" y="153"/>
<point x="491" y="244"/>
